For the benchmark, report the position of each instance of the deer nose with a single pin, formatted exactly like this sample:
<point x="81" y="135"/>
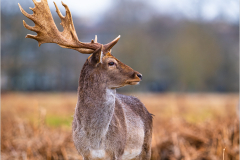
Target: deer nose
<point x="139" y="76"/>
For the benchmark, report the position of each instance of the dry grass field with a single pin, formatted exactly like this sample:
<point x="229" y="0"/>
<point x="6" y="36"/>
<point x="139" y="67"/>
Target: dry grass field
<point x="37" y="126"/>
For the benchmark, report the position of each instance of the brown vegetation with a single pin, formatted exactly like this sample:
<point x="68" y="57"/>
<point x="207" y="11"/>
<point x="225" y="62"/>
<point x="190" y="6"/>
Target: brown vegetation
<point x="186" y="126"/>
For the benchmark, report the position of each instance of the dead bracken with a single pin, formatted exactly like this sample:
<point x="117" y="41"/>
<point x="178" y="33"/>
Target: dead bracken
<point x="176" y="135"/>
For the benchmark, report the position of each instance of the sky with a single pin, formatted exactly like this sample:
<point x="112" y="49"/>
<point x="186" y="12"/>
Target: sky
<point x="192" y="9"/>
<point x="85" y="8"/>
<point x="209" y="10"/>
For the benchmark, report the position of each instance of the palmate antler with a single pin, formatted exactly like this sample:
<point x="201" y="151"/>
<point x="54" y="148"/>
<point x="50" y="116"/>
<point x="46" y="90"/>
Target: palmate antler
<point x="47" y="31"/>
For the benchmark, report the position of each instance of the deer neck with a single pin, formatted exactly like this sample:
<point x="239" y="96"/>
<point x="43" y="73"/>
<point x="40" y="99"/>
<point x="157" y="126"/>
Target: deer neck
<point x="97" y="98"/>
<point x="95" y="107"/>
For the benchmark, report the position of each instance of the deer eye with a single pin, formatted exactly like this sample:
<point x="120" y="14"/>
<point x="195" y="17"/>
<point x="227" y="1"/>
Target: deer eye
<point x="111" y="63"/>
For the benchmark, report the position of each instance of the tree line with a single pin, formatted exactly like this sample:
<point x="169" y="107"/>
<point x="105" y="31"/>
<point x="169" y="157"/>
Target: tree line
<point x="173" y="54"/>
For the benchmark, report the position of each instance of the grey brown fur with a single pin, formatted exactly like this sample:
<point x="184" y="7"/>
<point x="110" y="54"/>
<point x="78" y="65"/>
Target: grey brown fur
<point x="105" y="120"/>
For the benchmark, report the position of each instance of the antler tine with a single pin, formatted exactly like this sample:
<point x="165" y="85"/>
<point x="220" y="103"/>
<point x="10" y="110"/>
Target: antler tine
<point x="95" y="41"/>
<point x="47" y="31"/>
<point x="29" y="27"/>
<point x="58" y="12"/>
<point x="25" y="13"/>
<point x="107" y="47"/>
<point x="35" y="1"/>
<point x="67" y="21"/>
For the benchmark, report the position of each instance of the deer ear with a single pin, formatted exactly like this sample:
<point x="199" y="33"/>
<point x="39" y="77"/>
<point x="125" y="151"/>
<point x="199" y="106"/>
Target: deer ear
<point x="97" y="56"/>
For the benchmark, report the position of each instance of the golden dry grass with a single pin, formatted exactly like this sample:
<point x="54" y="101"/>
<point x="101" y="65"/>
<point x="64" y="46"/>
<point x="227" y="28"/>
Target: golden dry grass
<point x="186" y="126"/>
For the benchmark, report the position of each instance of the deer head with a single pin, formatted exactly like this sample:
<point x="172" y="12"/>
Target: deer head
<point x="115" y="73"/>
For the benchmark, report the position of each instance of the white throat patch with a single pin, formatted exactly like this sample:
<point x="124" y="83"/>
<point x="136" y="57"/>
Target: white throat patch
<point x="98" y="153"/>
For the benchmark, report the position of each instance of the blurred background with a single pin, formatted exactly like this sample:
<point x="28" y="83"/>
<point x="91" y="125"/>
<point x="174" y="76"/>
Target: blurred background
<point x="187" y="51"/>
<point x="192" y="45"/>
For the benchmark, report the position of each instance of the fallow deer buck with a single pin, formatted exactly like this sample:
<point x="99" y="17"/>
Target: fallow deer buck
<point x="106" y="125"/>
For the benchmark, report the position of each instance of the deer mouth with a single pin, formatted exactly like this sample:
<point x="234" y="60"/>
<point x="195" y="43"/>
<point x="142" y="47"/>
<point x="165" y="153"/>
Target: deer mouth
<point x="126" y="83"/>
<point x="133" y="82"/>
